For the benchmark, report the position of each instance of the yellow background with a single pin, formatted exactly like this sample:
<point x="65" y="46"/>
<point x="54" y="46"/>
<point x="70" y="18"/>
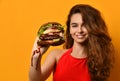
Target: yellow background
<point x="21" y="19"/>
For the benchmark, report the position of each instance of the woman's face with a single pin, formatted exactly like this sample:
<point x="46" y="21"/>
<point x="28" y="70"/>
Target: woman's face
<point x="77" y="30"/>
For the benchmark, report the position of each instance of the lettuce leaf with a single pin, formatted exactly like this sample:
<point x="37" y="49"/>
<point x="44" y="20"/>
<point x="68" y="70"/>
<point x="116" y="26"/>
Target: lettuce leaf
<point x="43" y="28"/>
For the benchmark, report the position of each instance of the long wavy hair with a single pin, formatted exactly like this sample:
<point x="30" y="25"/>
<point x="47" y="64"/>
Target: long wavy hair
<point x="100" y="50"/>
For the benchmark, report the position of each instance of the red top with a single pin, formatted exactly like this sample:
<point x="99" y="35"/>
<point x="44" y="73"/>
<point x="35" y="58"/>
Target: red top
<point x="71" y="69"/>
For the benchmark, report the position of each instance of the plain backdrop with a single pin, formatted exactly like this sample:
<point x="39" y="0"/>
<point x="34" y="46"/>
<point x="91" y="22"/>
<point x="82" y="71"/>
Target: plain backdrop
<point x="21" y="19"/>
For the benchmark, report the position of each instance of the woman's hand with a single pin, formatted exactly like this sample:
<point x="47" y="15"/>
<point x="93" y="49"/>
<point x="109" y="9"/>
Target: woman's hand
<point x="37" y="53"/>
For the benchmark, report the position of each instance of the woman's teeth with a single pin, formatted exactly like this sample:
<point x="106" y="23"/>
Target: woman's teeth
<point x="80" y="36"/>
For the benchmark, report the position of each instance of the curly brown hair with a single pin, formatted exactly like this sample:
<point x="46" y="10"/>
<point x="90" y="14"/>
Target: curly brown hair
<point x="100" y="50"/>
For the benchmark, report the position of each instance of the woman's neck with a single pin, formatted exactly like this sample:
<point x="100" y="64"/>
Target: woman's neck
<point x="78" y="51"/>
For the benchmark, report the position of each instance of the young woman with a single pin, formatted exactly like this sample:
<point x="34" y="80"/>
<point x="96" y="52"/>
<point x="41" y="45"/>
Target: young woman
<point x="88" y="53"/>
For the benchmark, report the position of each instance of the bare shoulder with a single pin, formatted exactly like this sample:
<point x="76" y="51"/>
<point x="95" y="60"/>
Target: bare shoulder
<point x="57" y="53"/>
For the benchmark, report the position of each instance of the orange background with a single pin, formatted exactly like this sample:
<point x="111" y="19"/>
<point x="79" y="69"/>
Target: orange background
<point x="21" y="19"/>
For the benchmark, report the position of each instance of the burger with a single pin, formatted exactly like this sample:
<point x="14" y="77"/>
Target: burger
<point x="51" y="33"/>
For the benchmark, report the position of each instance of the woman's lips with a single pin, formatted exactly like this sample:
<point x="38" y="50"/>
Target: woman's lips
<point x="80" y="36"/>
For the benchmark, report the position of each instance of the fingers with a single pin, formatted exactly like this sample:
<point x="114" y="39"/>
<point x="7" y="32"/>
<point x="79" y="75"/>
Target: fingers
<point x="36" y="55"/>
<point x="38" y="61"/>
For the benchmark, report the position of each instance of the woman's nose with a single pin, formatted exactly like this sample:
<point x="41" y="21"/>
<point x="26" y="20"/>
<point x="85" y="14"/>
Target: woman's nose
<point x="80" y="30"/>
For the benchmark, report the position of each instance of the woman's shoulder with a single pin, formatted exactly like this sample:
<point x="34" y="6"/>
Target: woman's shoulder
<point x="58" y="53"/>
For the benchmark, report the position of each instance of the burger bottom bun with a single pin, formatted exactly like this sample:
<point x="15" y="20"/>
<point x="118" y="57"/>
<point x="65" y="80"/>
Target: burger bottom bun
<point x="50" y="42"/>
<point x="44" y="42"/>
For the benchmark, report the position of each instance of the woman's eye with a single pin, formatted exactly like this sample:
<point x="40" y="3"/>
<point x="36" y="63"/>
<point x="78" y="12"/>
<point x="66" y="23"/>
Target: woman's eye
<point x="74" y="25"/>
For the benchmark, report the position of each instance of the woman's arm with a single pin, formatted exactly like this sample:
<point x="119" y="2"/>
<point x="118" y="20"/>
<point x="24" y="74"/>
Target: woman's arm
<point x="37" y="71"/>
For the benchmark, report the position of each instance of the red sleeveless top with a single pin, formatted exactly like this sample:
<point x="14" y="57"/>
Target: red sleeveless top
<point x="71" y="69"/>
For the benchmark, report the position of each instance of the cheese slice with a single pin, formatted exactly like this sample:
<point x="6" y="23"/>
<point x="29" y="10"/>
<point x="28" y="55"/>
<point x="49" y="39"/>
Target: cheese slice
<point x="55" y="40"/>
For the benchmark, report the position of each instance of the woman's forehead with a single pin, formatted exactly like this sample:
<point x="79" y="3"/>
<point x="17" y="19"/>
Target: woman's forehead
<point x="76" y="18"/>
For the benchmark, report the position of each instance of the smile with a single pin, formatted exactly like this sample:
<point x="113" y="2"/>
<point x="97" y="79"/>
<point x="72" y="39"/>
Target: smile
<point x="80" y="36"/>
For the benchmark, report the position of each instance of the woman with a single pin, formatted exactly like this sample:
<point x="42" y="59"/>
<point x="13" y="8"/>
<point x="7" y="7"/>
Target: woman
<point x="89" y="53"/>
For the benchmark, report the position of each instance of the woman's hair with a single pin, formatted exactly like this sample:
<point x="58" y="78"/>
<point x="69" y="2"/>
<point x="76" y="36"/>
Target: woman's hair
<point x="100" y="50"/>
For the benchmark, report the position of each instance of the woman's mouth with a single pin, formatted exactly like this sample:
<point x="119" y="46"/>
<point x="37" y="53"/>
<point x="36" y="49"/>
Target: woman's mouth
<point x="80" y="36"/>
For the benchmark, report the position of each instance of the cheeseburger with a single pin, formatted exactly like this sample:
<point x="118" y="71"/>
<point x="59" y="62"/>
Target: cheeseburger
<point x="51" y="33"/>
